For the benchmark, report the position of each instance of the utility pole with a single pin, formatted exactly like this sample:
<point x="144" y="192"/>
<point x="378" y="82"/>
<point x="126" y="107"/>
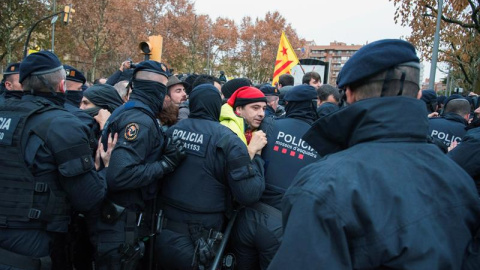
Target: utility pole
<point x="54" y="7"/>
<point x="433" y="67"/>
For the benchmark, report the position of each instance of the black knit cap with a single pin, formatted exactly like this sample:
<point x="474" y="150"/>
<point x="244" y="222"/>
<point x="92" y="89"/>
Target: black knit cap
<point x="231" y="86"/>
<point x="74" y="74"/>
<point x="39" y="63"/>
<point x="429" y="96"/>
<point x="376" y="57"/>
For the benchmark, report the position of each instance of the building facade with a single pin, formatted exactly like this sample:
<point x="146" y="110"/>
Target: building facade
<point x="337" y="54"/>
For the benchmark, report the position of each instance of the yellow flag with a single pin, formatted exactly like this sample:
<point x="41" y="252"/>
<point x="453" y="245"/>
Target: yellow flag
<point x="286" y="59"/>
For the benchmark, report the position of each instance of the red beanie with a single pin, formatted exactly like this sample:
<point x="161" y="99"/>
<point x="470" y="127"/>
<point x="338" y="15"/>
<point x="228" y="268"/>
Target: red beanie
<point x="246" y="95"/>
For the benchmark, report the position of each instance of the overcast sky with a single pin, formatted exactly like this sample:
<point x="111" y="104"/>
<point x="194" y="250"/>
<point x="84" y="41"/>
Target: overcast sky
<point x="350" y="21"/>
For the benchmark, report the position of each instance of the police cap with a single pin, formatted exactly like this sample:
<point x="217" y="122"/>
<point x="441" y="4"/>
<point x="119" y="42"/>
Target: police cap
<point x="303" y="92"/>
<point x="152" y="66"/>
<point x="374" y="58"/>
<point x="13" y="68"/>
<point x="74" y="74"/>
<point x="269" y="90"/>
<point x="39" y="63"/>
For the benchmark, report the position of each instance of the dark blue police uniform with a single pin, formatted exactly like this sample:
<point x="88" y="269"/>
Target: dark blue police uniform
<point x="466" y="154"/>
<point x="258" y="230"/>
<point x="448" y="128"/>
<point x="196" y="197"/>
<point x="136" y="166"/>
<point x="382" y="196"/>
<point x="45" y="170"/>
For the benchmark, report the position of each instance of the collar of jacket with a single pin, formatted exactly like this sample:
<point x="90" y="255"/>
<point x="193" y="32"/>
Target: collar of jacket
<point x="375" y="119"/>
<point x="455" y="117"/>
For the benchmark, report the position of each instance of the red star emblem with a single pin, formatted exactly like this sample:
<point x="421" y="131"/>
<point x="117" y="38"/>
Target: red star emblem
<point x="284" y="51"/>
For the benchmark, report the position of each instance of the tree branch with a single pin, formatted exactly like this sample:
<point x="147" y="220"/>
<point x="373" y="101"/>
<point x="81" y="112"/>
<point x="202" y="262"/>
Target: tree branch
<point x="450" y="20"/>
<point x="465" y="74"/>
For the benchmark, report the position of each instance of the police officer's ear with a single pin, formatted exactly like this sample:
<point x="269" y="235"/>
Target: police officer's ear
<point x="351" y="98"/>
<point x="419" y="94"/>
<point x="62" y="86"/>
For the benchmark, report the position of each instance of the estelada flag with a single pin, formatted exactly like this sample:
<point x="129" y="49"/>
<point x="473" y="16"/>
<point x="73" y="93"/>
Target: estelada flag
<point x="286" y="59"/>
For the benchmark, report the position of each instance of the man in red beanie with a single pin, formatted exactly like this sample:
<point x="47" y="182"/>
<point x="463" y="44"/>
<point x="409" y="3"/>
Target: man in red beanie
<point x="243" y="113"/>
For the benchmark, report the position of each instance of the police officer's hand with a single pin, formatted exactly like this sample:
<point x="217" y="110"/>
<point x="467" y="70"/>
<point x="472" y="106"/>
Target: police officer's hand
<point x="258" y="141"/>
<point x="173" y="154"/>
<point x="105" y="155"/>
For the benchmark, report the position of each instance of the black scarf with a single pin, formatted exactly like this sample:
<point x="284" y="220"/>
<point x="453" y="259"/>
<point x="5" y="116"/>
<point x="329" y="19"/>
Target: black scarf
<point x="302" y="110"/>
<point x="74" y="97"/>
<point x="57" y="98"/>
<point x="205" y="103"/>
<point x="92" y="111"/>
<point x="151" y="93"/>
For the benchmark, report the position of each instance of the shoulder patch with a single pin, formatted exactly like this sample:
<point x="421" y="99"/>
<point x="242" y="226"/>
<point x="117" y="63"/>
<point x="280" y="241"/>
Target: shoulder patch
<point x="131" y="131"/>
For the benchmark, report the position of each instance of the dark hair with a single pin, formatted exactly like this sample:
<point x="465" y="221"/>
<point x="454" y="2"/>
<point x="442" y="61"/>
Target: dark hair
<point x="459" y="106"/>
<point x="190" y="79"/>
<point x="326" y="90"/>
<point x="286" y="79"/>
<point x="204" y="78"/>
<point x="311" y="75"/>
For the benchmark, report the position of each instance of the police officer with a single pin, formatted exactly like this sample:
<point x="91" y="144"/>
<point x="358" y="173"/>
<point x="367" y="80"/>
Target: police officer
<point x="383" y="197"/>
<point x="139" y="161"/>
<point x="46" y="166"/>
<point x="74" y="84"/>
<point x="273" y="108"/>
<point x="258" y="230"/>
<point x="451" y="126"/>
<point x="197" y="196"/>
<point x="13" y="88"/>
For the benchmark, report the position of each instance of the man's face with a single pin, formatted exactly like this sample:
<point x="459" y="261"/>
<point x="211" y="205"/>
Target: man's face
<point x="219" y="87"/>
<point x="12" y="83"/>
<point x="74" y="86"/>
<point x="177" y="93"/>
<point x="86" y="104"/>
<point x="253" y="113"/>
<point x="315" y="83"/>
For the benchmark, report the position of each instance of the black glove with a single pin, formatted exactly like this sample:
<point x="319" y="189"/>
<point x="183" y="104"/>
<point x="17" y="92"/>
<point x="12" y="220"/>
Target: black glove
<point x="173" y="154"/>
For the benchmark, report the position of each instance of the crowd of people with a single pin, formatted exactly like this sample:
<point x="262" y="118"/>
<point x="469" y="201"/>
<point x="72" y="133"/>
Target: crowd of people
<point x="147" y="169"/>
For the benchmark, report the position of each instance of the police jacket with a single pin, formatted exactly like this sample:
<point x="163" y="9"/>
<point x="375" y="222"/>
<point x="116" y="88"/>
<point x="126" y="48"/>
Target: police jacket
<point x="466" y="154"/>
<point x="448" y="128"/>
<point x="217" y="166"/>
<point x="384" y="197"/>
<point x="90" y="122"/>
<point x="134" y="164"/>
<point x="286" y="152"/>
<point x="57" y="161"/>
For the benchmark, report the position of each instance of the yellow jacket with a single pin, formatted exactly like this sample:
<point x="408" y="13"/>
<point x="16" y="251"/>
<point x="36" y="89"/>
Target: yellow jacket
<point x="229" y="119"/>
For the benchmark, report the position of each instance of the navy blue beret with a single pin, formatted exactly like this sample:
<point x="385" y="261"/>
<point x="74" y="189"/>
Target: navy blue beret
<point x="152" y="66"/>
<point x="374" y="58"/>
<point x="429" y="96"/>
<point x="13" y="68"/>
<point x="39" y="63"/>
<point x="303" y="92"/>
<point x="74" y="74"/>
<point x="269" y="90"/>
